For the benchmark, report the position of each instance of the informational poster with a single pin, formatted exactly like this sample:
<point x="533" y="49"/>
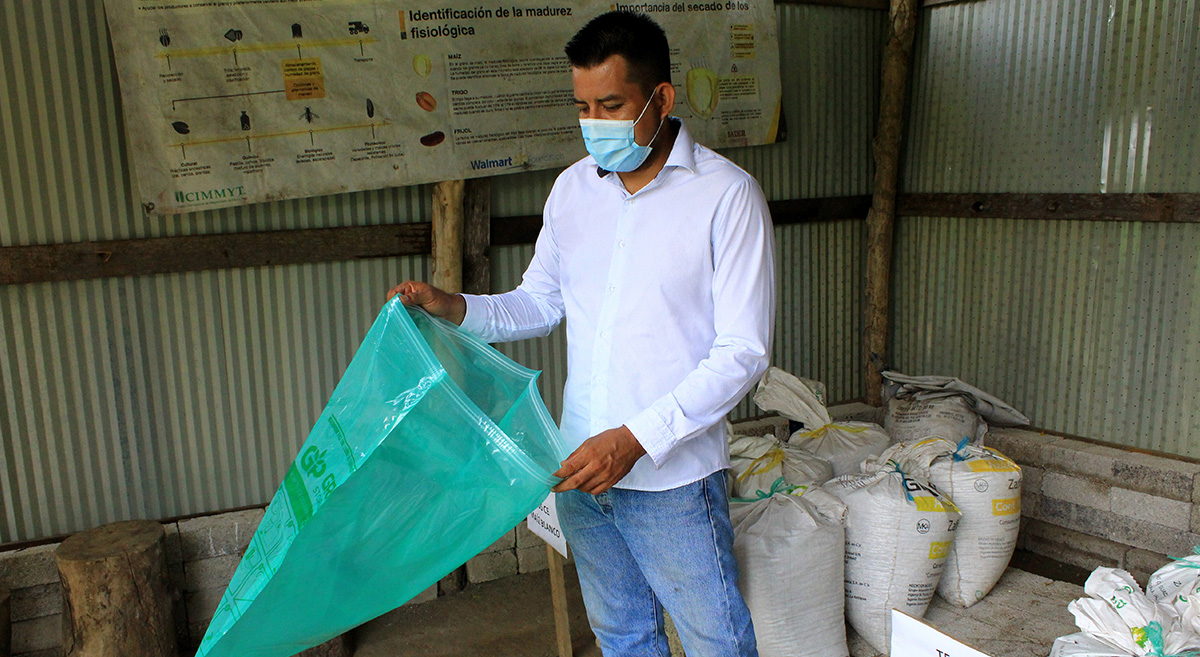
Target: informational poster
<point x="230" y="102"/>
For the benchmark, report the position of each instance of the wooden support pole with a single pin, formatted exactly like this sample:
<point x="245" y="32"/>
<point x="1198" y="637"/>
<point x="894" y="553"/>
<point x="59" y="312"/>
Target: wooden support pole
<point x="116" y="599"/>
<point x="558" y="594"/>
<point x="477" y="236"/>
<point x="448" y="235"/>
<point x="896" y="75"/>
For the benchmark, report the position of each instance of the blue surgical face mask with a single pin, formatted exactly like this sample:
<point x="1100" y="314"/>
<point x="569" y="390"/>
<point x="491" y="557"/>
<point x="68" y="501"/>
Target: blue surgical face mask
<point x="611" y="142"/>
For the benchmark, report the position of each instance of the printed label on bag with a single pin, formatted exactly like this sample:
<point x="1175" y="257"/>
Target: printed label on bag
<point x="1006" y="507"/>
<point x="992" y="465"/>
<point x="939" y="549"/>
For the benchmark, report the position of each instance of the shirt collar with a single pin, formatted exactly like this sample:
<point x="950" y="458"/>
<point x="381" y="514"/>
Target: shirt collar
<point x="681" y="151"/>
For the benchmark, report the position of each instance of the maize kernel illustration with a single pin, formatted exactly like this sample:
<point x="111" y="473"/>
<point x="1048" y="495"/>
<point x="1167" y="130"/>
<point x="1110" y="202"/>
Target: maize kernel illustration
<point x="422" y="65"/>
<point x="701" y="86"/>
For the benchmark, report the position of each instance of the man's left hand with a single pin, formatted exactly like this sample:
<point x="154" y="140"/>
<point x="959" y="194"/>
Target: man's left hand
<point x="600" y="462"/>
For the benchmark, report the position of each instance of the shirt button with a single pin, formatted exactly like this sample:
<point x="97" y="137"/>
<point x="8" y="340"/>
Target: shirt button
<point x="621" y="244"/>
<point x="604" y="334"/>
<point x="612" y="288"/>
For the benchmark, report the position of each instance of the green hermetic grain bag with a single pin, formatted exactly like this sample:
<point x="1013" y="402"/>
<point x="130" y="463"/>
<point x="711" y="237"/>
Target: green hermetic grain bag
<point x="431" y="448"/>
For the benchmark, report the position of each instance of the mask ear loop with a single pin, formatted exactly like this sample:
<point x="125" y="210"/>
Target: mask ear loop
<point x="660" y="123"/>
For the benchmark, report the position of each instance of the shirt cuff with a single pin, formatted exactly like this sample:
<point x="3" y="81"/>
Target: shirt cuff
<point x="652" y="433"/>
<point x="476" y="319"/>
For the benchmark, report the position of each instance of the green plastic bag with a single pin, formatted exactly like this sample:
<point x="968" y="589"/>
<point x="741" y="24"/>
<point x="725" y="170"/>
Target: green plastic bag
<point x="432" y="447"/>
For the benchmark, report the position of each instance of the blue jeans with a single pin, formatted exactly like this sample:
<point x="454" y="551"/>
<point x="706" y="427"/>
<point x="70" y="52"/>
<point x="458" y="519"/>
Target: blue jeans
<point x="637" y="552"/>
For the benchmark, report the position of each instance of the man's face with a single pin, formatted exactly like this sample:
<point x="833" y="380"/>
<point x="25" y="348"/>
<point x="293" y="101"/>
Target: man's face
<point x="605" y="91"/>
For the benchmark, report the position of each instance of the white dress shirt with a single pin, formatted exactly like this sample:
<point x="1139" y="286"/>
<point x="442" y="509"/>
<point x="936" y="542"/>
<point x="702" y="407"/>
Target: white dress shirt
<point x="669" y="297"/>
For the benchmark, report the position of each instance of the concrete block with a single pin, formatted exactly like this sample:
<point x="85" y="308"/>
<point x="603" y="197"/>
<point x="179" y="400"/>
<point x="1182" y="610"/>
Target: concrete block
<point x="506" y="542"/>
<point x="215" y="573"/>
<point x="220" y="535"/>
<point x="453" y="582"/>
<point x="1024" y="447"/>
<point x="1142" y="563"/>
<point x="428" y="595"/>
<point x="532" y="559"/>
<point x="1073" y="547"/>
<point x="1031" y="505"/>
<point x="1195" y="520"/>
<point x="1152" y="474"/>
<point x="1068" y="457"/>
<point x="37" y="634"/>
<point x="1031" y="478"/>
<point x="1160" y="510"/>
<point x="202" y="604"/>
<point x="526" y="538"/>
<point x="1076" y="490"/>
<point x="1128" y="531"/>
<point x="491" y="566"/>
<point x="36" y="601"/>
<point x="763" y="426"/>
<point x="28" y="567"/>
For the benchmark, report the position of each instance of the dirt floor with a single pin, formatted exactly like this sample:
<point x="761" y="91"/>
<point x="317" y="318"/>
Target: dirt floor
<point x="511" y="617"/>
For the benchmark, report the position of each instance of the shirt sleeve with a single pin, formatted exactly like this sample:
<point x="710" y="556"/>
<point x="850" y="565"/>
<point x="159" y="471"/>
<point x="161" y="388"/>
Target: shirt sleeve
<point x="530" y="311"/>
<point x="744" y="318"/>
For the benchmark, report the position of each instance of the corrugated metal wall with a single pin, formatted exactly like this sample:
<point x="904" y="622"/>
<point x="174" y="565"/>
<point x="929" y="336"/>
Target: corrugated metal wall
<point x="157" y="396"/>
<point x="1089" y="328"/>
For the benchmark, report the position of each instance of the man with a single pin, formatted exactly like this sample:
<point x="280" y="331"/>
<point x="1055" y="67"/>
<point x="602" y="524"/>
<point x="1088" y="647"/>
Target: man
<point x="658" y="253"/>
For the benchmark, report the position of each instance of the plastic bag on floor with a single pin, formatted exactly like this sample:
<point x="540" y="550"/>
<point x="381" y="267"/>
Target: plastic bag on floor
<point x="789" y="549"/>
<point x="1120" y="615"/>
<point x="1174" y="582"/>
<point x="1082" y="644"/>
<point x="899" y="531"/>
<point x="432" y="446"/>
<point x="756" y="462"/>
<point x="985" y="485"/>
<point x="844" y="444"/>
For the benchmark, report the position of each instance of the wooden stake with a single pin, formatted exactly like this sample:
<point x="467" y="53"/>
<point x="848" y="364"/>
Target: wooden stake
<point x="447" y="235"/>
<point x="896" y="74"/>
<point x="116" y="600"/>
<point x="477" y="236"/>
<point x="558" y="594"/>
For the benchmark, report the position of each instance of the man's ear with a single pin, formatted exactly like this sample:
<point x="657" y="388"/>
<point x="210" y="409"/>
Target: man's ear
<point x="666" y="95"/>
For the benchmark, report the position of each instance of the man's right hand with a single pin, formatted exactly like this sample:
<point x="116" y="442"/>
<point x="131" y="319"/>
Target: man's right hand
<point x="451" y="307"/>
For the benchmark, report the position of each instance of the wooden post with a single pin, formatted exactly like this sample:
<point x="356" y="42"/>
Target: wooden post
<point x="448" y="235"/>
<point x="558" y="594"/>
<point x="896" y="74"/>
<point x="477" y="236"/>
<point x="5" y="623"/>
<point x="116" y="600"/>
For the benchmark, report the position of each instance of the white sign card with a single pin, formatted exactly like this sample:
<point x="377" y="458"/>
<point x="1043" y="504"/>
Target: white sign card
<point x="912" y="637"/>
<point x="544" y="523"/>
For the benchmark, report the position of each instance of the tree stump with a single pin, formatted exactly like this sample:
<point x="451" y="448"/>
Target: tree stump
<point x="5" y="623"/>
<point x="116" y="599"/>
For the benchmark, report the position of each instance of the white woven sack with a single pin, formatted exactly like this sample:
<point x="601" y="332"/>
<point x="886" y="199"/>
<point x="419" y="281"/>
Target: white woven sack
<point x="986" y="487"/>
<point x="1174" y="582"/>
<point x="756" y="462"/>
<point x="949" y="417"/>
<point x="844" y="444"/>
<point x="899" y="531"/>
<point x="790" y="566"/>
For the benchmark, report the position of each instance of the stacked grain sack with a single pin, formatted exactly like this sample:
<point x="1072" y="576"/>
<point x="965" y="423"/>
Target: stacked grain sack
<point x="789" y="549"/>
<point x="899" y="531"/>
<point x="844" y="445"/>
<point x="923" y="406"/>
<point x="757" y="462"/>
<point x="985" y="485"/>
<point x="1118" y="620"/>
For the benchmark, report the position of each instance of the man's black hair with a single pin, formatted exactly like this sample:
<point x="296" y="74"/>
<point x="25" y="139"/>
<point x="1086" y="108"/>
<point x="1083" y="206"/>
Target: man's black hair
<point x="634" y="36"/>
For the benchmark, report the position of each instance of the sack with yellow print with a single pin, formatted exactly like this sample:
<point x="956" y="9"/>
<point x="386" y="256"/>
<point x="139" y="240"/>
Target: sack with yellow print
<point x="986" y="487"/>
<point x="844" y="444"/>
<point x="899" y="531"/>
<point x="756" y="462"/>
<point x="432" y="446"/>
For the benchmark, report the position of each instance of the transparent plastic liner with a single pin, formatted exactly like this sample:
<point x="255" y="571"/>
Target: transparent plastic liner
<point x="403" y="478"/>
